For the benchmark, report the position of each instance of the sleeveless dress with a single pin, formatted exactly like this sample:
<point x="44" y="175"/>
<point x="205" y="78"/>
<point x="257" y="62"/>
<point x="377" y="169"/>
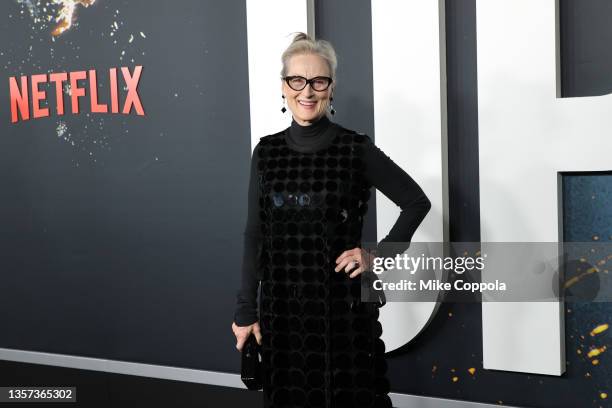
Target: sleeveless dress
<point x="321" y="343"/>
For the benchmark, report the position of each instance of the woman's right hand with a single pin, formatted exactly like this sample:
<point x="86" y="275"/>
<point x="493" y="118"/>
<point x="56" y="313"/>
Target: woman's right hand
<point x="242" y="333"/>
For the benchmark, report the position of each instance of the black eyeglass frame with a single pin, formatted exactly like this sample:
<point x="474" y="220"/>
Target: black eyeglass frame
<point x="307" y="82"/>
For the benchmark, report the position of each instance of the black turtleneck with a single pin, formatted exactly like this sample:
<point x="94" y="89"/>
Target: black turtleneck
<point x="313" y="137"/>
<point x="381" y="172"/>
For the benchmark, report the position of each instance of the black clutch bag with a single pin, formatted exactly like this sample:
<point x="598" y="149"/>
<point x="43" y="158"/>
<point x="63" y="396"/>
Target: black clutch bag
<point x="250" y="372"/>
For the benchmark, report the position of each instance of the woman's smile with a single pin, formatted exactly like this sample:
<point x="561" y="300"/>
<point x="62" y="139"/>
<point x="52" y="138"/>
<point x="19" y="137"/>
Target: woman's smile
<point x="307" y="104"/>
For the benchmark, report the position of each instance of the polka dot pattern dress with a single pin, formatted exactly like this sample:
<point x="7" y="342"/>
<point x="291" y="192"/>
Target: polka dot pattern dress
<point x="321" y="343"/>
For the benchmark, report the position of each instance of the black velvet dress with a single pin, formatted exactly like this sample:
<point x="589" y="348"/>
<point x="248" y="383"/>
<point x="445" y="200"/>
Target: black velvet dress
<point x="309" y="192"/>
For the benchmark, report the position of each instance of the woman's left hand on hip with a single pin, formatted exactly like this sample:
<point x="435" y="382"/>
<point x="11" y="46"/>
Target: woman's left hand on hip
<point x="352" y="260"/>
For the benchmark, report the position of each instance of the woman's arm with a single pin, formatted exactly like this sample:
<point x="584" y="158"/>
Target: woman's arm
<point x="246" y="297"/>
<point x="382" y="173"/>
<point x="390" y="179"/>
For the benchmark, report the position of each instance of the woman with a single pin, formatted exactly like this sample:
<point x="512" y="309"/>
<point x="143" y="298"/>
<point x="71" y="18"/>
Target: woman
<point x="308" y="195"/>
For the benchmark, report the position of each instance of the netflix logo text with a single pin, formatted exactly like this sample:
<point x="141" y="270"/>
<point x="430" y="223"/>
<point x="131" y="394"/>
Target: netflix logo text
<point x="27" y="93"/>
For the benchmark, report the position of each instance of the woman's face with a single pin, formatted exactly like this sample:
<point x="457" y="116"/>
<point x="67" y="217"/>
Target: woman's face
<point x="307" y="105"/>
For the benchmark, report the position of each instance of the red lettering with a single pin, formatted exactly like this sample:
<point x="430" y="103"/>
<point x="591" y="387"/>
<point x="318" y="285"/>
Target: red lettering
<point x="19" y="99"/>
<point x="132" y="93"/>
<point x="20" y="92"/>
<point x="93" y="92"/>
<point x="75" y="91"/>
<point x="38" y="95"/>
<point x="114" y="91"/>
<point x="59" y="78"/>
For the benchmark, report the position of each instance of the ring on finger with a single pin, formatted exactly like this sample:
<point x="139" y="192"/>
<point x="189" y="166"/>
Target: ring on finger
<point x="356" y="265"/>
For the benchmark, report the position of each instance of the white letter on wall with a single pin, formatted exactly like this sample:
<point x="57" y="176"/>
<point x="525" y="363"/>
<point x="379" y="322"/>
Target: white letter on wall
<point x="527" y="135"/>
<point x="409" y="70"/>
<point x="270" y="25"/>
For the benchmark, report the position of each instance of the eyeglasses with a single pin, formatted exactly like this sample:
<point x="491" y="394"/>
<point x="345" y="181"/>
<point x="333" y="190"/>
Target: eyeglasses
<point x="297" y="83"/>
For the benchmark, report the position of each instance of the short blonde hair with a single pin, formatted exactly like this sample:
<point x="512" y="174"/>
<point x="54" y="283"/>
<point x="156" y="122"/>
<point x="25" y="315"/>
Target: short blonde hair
<point x="303" y="44"/>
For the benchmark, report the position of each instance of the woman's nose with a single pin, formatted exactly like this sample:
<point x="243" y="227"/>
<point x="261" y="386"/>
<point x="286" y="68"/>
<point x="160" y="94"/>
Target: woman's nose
<point x="308" y="91"/>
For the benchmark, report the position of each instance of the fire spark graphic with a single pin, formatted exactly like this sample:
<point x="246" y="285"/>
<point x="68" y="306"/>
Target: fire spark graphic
<point x="62" y="12"/>
<point x="66" y="14"/>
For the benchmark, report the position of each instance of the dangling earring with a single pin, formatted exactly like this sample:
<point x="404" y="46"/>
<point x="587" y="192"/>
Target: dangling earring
<point x="331" y="107"/>
<point x="283" y="109"/>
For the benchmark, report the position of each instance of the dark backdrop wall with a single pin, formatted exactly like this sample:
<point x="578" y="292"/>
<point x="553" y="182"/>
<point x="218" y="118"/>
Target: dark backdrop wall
<point x="453" y="342"/>
<point x="120" y="236"/>
<point x="132" y="252"/>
